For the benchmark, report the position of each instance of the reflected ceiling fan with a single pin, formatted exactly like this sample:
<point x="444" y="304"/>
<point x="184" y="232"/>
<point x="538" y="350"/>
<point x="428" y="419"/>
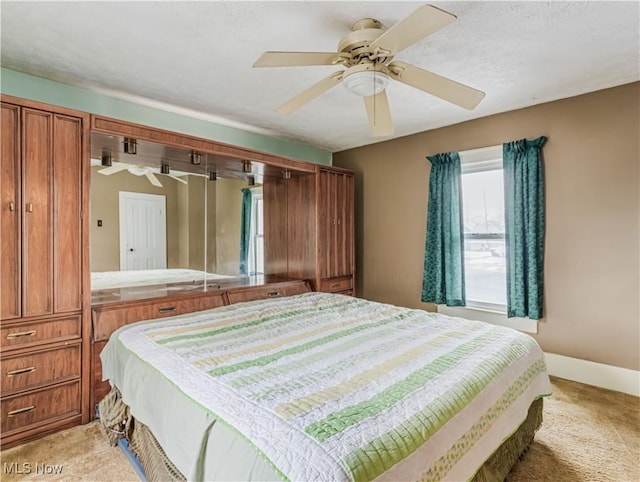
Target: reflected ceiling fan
<point x="367" y="53"/>
<point x="148" y="172"/>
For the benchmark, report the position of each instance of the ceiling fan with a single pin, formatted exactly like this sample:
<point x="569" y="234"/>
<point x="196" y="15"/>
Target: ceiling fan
<point x="148" y="172"/>
<point x="367" y="53"/>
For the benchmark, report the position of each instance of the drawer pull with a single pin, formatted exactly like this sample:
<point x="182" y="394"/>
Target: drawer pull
<point x="273" y="294"/>
<point x="20" y="371"/>
<point x="167" y="309"/>
<point x="336" y="285"/>
<point x="21" y="334"/>
<point x="13" y="413"/>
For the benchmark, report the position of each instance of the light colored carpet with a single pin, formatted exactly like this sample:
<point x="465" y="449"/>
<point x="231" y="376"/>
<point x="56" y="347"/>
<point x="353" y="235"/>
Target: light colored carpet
<point x="588" y="435"/>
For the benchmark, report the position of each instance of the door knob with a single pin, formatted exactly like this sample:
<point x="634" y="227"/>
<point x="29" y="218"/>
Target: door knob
<point x="131" y="249"/>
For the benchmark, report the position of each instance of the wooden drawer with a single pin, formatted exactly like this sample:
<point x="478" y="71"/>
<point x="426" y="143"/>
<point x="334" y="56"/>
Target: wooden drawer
<point x="107" y="319"/>
<point x="275" y="290"/>
<point x="37" y="369"/>
<point x="36" y="333"/>
<point x="334" y="285"/>
<point x="35" y="408"/>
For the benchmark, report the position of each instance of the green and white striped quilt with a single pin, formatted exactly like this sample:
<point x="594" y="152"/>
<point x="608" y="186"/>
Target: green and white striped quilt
<point x="335" y="388"/>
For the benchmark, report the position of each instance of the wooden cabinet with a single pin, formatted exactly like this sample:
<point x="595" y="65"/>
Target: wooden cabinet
<point x="44" y="159"/>
<point x="320" y="228"/>
<point x="335" y="194"/>
<point x="273" y="290"/>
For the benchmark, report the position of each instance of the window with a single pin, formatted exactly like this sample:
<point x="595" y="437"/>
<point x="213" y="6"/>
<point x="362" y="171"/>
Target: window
<point x="256" y="244"/>
<point x="485" y="244"/>
<point x="484" y="228"/>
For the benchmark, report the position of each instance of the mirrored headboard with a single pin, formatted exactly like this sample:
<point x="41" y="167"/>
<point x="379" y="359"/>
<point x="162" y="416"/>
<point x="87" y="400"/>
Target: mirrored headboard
<point x="162" y="215"/>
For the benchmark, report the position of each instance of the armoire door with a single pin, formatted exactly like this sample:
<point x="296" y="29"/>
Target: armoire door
<point x="67" y="213"/>
<point x="10" y="214"/>
<point x="335" y="223"/>
<point x="37" y="189"/>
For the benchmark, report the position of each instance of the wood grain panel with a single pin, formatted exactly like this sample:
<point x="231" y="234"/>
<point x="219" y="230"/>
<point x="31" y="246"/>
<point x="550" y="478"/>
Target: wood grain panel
<point x="37" y="252"/>
<point x="40" y="368"/>
<point x="301" y="240"/>
<point x="30" y="334"/>
<point x="275" y="208"/>
<point x="100" y="387"/>
<point x="67" y="247"/>
<point x="10" y="210"/>
<point x="24" y="411"/>
<point x="335" y="285"/>
<point x="325" y="223"/>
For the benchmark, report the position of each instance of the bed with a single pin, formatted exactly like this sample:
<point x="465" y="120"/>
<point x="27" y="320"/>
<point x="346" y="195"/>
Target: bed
<point x="105" y="280"/>
<point x="326" y="387"/>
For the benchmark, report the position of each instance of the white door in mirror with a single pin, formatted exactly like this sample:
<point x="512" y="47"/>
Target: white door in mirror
<point x="143" y="231"/>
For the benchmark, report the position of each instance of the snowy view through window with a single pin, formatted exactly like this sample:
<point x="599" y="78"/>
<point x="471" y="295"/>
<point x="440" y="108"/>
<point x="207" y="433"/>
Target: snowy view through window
<point x="484" y="250"/>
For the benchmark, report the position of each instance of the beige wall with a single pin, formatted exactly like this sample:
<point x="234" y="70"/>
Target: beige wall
<point x="185" y="220"/>
<point x="104" y="204"/>
<point x="591" y="162"/>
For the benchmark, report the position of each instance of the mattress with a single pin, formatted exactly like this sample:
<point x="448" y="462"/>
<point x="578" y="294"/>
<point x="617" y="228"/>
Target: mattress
<point x="105" y="280"/>
<point x="325" y="387"/>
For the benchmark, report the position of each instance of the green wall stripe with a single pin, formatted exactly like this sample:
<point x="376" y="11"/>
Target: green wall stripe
<point x="38" y="89"/>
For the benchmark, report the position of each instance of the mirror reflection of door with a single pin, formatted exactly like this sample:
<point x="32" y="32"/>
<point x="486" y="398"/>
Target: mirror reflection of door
<point x="143" y="231"/>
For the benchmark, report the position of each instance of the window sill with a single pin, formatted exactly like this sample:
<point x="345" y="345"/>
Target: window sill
<point x="488" y="316"/>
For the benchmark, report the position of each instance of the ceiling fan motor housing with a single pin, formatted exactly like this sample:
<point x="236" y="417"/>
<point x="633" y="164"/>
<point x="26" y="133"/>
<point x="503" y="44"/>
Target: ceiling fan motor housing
<point x="357" y="42"/>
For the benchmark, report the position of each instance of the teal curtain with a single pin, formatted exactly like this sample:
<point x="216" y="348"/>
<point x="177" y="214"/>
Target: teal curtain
<point x="443" y="279"/>
<point x="245" y="230"/>
<point x="524" y="226"/>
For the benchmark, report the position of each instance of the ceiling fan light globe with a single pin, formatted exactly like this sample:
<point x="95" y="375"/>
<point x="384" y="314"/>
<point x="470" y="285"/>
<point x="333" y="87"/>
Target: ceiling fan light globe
<point x="138" y="170"/>
<point x="366" y="82"/>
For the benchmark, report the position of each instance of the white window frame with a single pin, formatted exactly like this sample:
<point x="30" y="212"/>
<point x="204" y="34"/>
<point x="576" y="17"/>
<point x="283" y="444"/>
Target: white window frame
<point x="256" y="195"/>
<point x="477" y="160"/>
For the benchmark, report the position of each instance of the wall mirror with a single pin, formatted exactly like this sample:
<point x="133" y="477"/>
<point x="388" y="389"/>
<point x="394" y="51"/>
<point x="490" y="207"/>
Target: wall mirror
<point x="180" y="219"/>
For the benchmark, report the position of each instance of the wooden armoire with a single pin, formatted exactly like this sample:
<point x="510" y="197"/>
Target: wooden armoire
<point x="44" y="304"/>
<point x="321" y="229"/>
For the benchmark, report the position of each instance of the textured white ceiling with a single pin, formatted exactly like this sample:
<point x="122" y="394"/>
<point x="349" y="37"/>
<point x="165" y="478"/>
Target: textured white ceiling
<point x="198" y="56"/>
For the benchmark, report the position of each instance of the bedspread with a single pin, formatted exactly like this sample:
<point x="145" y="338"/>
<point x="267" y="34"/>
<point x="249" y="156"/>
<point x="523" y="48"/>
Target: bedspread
<point x="330" y="387"/>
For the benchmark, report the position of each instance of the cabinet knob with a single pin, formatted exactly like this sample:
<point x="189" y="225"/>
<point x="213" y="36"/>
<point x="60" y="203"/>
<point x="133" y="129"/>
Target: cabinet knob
<point x="29" y="207"/>
<point x="12" y="206"/>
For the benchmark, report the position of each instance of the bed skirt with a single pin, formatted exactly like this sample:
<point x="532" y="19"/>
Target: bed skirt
<point x="118" y="422"/>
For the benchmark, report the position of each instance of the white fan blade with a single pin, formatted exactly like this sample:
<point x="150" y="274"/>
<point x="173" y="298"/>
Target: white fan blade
<point x="379" y="114"/>
<point x="107" y="171"/>
<point x="296" y="59"/>
<point x="424" y="21"/>
<point x="434" y="84"/>
<point x="311" y="93"/>
<point x="153" y="179"/>
<point x="177" y="179"/>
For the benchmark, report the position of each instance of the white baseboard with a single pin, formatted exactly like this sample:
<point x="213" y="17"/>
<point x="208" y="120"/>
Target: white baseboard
<point x="592" y="373"/>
